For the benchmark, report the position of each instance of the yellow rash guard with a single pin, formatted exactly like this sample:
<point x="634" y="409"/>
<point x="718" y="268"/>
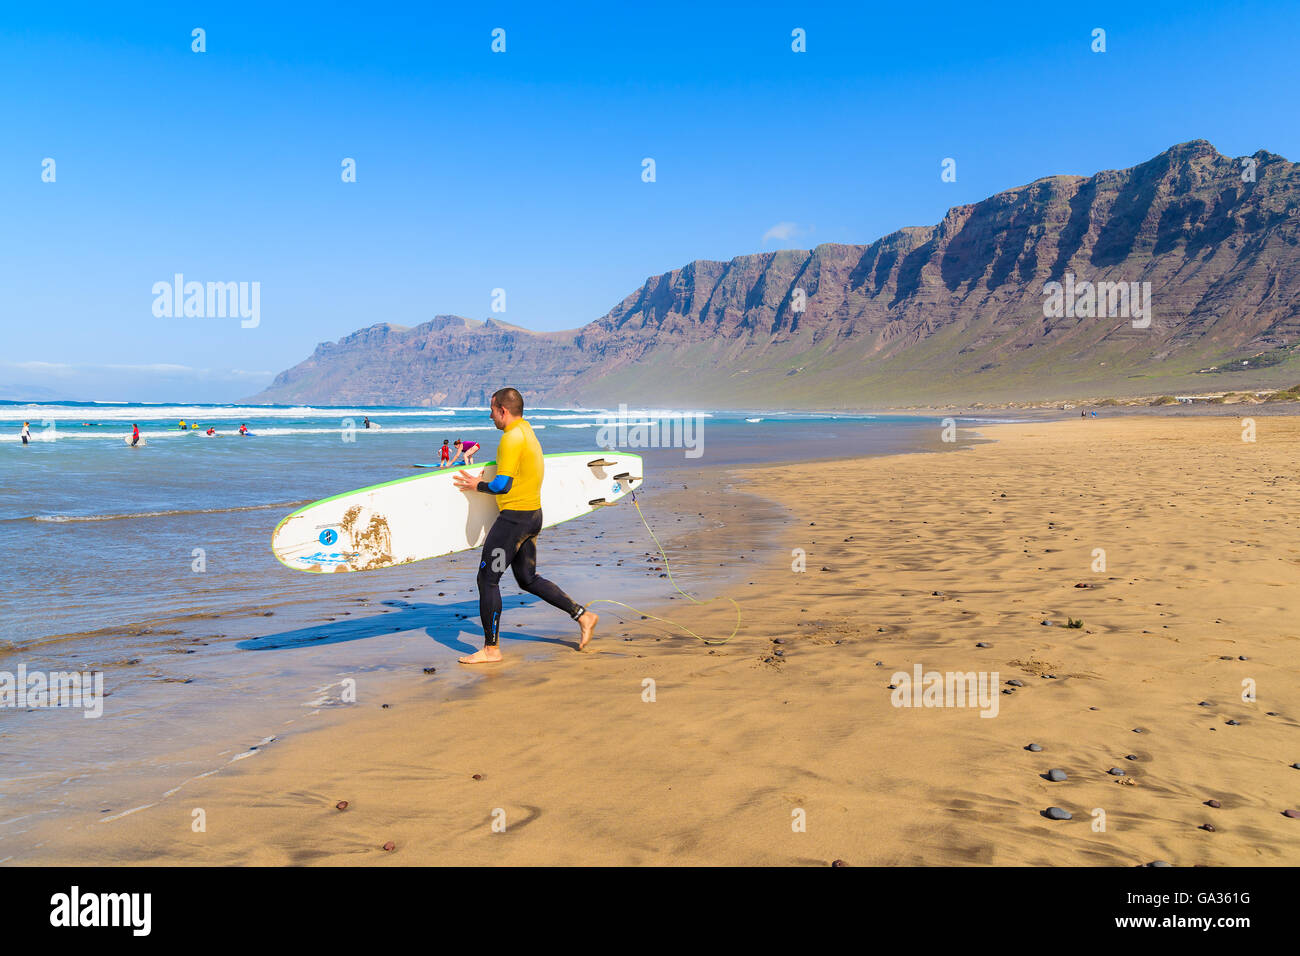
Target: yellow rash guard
<point x="519" y="455"/>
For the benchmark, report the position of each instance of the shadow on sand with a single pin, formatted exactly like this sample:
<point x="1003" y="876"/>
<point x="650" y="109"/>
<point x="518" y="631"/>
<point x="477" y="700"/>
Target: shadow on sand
<point x="447" y="624"/>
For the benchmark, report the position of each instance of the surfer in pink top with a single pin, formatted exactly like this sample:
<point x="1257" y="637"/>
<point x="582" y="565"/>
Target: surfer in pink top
<point x="465" y="450"/>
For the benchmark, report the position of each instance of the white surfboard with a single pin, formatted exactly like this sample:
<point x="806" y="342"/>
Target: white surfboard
<point x="139" y="444"/>
<point x="426" y="515"/>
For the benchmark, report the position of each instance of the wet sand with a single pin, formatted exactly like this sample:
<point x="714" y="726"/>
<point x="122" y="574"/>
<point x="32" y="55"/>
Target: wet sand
<point x="910" y="560"/>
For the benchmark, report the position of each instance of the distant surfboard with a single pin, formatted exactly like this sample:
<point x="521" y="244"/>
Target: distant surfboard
<point x="426" y="516"/>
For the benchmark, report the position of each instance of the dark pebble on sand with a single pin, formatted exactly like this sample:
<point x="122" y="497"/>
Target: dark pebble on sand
<point x="1225" y="657"/>
<point x="778" y="640"/>
<point x="1243" y="658"/>
<point x="936" y="593"/>
<point x="1016" y="682"/>
<point x="1131" y="757"/>
<point x="1206" y="826"/>
<point x="1094" y="708"/>
<point x="1116" y="772"/>
<point x="1204" y="703"/>
<point x="1159" y="863"/>
<point x="341" y="805"/>
<point x="390" y="846"/>
<point x="838" y="863"/>
<point x="1056" y="813"/>
<point x="1034" y="748"/>
<point x="385" y="706"/>
<point x="1213" y="803"/>
<point x="1047" y="623"/>
<point x="1233" y="723"/>
<point x="1293" y="814"/>
<point x="1138" y="730"/>
<point x="478" y="776"/>
<point x="1295" y="766"/>
<point x="1082" y="585"/>
<point x="982" y="644"/>
<point x="1056" y="776"/>
<point x="1008" y="690"/>
<point x="268" y="613"/>
<point x="893" y="687"/>
<point x="431" y="670"/>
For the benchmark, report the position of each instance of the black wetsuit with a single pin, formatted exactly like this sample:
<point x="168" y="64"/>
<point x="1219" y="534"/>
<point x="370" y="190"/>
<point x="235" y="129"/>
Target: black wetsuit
<point x="512" y="540"/>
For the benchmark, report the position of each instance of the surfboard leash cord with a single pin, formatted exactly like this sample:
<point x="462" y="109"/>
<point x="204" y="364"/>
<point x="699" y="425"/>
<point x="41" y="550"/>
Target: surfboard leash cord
<point x="673" y="582"/>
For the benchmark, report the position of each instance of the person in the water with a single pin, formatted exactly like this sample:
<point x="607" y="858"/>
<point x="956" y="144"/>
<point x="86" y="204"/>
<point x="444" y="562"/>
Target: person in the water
<point x="465" y="451"/>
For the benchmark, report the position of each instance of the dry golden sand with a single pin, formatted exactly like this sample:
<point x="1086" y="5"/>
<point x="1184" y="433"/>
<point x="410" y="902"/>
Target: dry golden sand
<point x="1202" y="563"/>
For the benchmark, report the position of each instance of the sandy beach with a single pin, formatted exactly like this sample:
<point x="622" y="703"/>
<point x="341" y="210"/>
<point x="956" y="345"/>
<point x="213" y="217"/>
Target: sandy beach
<point x="794" y="753"/>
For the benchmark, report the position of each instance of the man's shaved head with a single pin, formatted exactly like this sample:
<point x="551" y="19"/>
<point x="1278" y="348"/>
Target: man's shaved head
<point x="510" y="400"/>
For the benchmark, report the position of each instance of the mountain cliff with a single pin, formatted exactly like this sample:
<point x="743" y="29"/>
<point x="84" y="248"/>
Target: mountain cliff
<point x="953" y="311"/>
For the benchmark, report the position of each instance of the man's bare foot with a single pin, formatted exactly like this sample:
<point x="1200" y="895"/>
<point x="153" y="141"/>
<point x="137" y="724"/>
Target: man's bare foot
<point x="588" y="624"/>
<point x="489" y="655"/>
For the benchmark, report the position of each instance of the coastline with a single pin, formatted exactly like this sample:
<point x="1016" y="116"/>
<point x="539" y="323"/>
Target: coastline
<point x="910" y="560"/>
<point x="127" y="763"/>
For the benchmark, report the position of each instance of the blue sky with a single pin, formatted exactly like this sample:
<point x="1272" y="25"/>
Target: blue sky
<point x="522" y="170"/>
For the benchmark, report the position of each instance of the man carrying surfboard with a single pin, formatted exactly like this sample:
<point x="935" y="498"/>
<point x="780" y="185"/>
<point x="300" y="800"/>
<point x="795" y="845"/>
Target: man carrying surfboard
<point x="512" y="539"/>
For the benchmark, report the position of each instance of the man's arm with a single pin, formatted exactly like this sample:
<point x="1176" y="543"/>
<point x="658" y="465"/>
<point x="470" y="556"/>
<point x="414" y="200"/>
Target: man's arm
<point x="497" y="486"/>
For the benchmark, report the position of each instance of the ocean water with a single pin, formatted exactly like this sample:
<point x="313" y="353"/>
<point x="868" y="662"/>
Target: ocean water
<point x="99" y="534"/>
<point x="152" y="566"/>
